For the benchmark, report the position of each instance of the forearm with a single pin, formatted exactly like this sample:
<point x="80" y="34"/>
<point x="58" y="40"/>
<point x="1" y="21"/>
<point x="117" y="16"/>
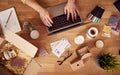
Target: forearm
<point x="34" y="5"/>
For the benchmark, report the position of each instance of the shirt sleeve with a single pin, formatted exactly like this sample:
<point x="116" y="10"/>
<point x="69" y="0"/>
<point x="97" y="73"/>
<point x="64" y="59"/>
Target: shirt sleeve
<point x="23" y="1"/>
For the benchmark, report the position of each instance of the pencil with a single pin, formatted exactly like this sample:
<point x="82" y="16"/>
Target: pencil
<point x="8" y="18"/>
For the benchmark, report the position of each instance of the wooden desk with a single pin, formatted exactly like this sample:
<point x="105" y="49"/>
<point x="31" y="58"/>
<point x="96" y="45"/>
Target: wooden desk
<point x="48" y="62"/>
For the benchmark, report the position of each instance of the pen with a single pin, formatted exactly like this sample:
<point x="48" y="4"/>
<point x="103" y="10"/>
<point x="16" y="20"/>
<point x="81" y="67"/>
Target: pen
<point x="8" y="18"/>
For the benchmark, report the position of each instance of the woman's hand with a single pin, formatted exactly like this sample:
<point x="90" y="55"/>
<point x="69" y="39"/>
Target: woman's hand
<point x="71" y="9"/>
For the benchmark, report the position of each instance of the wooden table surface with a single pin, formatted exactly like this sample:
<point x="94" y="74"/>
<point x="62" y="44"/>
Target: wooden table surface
<point x="48" y="63"/>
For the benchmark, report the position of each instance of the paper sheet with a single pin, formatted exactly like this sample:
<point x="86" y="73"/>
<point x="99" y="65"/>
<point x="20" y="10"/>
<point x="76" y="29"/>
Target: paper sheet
<point x="13" y="24"/>
<point x="58" y="47"/>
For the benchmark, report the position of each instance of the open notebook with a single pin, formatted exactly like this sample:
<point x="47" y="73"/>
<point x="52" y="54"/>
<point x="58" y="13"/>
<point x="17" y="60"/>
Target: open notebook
<point x="9" y="20"/>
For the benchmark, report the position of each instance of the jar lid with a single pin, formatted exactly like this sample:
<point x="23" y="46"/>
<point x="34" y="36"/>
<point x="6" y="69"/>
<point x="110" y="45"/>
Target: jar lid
<point x="79" y="39"/>
<point x="99" y="44"/>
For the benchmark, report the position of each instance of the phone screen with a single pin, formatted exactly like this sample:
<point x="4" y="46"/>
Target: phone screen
<point x="117" y="5"/>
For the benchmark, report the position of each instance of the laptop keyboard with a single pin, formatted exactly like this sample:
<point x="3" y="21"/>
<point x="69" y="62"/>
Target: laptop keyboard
<point x="60" y="22"/>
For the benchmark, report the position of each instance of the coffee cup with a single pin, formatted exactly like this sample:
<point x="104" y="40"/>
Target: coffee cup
<point x="92" y="32"/>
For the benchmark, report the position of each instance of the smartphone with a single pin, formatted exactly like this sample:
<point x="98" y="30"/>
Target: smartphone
<point x="117" y="4"/>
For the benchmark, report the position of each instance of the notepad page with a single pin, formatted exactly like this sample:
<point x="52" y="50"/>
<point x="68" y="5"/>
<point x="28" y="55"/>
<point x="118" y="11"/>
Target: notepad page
<point x="13" y="23"/>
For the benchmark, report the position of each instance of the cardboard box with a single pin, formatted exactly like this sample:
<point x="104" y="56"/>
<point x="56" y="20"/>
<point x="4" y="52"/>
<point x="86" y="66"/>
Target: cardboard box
<point x="24" y="50"/>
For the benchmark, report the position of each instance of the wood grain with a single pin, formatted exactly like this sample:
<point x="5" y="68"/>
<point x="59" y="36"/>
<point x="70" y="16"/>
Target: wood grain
<point x="48" y="63"/>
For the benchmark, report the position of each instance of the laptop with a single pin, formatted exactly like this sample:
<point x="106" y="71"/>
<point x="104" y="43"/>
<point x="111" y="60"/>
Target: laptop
<point x="60" y="22"/>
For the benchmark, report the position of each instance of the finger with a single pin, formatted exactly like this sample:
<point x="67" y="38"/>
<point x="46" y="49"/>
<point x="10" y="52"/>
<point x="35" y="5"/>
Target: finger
<point x="72" y="14"/>
<point x="65" y="11"/>
<point x="77" y="12"/>
<point x="43" y="20"/>
<point x="48" y="22"/>
<point x="68" y="15"/>
<point x="75" y="15"/>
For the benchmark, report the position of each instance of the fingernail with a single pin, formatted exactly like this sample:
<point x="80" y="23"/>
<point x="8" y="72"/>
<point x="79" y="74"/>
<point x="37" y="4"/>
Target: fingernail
<point x="73" y="20"/>
<point x="67" y="19"/>
<point x="50" y="25"/>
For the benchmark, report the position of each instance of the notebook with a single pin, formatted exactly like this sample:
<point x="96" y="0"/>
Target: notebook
<point x="60" y="20"/>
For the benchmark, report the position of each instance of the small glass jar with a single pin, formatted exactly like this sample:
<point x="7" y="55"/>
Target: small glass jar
<point x="99" y="44"/>
<point x="34" y="34"/>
